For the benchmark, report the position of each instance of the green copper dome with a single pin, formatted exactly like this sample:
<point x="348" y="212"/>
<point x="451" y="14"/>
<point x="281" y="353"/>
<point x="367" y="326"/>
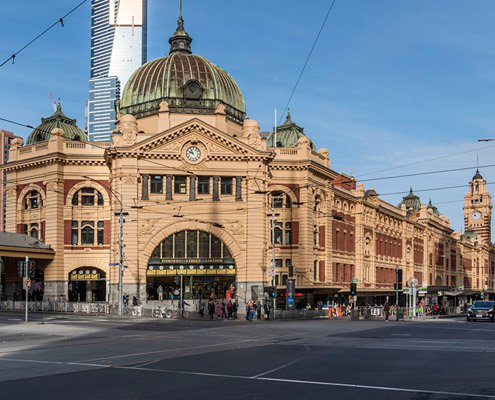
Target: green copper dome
<point x="59" y="120"/>
<point x="187" y="82"/>
<point x="287" y="135"/>
<point x="411" y="201"/>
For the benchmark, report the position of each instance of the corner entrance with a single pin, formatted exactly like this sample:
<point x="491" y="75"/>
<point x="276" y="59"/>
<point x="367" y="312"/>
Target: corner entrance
<point x="87" y="284"/>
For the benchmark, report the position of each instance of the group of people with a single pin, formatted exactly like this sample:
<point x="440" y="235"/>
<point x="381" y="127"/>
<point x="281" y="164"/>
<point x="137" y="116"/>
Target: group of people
<point x="254" y="310"/>
<point x="223" y="309"/>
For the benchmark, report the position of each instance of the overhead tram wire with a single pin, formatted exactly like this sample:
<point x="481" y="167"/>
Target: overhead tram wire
<point x="306" y="63"/>
<point x="425" y="161"/>
<point x="59" y="21"/>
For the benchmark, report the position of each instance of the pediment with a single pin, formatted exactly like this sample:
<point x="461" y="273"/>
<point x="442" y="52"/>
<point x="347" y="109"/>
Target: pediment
<point x="211" y="142"/>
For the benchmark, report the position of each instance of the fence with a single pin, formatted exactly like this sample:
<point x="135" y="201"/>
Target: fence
<point x="60" y="306"/>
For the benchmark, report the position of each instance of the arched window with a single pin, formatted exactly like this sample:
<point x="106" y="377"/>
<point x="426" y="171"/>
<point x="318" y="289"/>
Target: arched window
<point x="280" y="200"/>
<point x="87" y="197"/>
<point x="277" y="233"/>
<point x="33" y="230"/>
<point x="32" y="200"/>
<point x="191" y="244"/>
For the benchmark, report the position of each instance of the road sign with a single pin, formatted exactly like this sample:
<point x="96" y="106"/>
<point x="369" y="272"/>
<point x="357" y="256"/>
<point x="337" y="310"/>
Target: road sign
<point x="113" y="264"/>
<point x="27" y="283"/>
<point x="355" y="280"/>
<point x="272" y="269"/>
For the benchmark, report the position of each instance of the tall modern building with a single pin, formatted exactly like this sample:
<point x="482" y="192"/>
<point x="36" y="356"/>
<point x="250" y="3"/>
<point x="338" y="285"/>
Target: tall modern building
<point x="5" y="138"/>
<point x="118" y="48"/>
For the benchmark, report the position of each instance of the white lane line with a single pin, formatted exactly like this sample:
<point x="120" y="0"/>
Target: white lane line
<point x="275" y="369"/>
<point x="297" y="381"/>
<point x="392" y="389"/>
<point x="54" y="362"/>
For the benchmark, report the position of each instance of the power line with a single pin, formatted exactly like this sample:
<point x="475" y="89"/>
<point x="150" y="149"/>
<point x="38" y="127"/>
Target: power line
<point x="428" y="160"/>
<point x="59" y="21"/>
<point x="306" y="63"/>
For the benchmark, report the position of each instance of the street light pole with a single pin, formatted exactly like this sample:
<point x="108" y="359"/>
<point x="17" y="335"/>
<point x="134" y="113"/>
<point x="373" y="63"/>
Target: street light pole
<point x="120" y="300"/>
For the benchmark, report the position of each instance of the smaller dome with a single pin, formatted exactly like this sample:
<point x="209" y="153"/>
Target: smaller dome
<point x="288" y="135"/>
<point x="470" y="233"/>
<point x="430" y="206"/>
<point x="411" y="201"/>
<point x="59" y="120"/>
<point x="478" y="175"/>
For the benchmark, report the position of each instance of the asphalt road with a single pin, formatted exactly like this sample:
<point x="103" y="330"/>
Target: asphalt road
<point x="84" y="358"/>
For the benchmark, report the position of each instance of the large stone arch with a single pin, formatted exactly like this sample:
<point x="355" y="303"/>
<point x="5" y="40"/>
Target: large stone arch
<point x="220" y="233"/>
<point x="284" y="189"/>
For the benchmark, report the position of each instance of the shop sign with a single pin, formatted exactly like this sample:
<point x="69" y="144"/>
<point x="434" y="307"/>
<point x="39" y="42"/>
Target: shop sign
<point x="161" y="270"/>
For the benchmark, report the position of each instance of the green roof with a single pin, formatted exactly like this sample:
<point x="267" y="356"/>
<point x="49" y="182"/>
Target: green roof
<point x="288" y="135"/>
<point x="411" y="201"/>
<point x="59" y="120"/>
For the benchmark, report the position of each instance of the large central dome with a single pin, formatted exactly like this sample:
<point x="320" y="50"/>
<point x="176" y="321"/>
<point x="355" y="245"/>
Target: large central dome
<point x="189" y="83"/>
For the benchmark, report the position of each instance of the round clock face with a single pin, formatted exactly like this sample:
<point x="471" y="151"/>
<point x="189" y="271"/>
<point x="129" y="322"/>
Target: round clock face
<point x="476" y="216"/>
<point x="193" y="153"/>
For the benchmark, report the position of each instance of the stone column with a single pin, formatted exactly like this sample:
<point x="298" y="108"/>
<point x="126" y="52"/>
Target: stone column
<point x="192" y="188"/>
<point x="144" y="194"/>
<point x="216" y="178"/>
<point x="168" y="188"/>
<point x="238" y="188"/>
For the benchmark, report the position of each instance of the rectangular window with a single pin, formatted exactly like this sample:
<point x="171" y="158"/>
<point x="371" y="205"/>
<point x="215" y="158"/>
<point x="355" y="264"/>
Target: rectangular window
<point x="180" y="244"/>
<point x="216" y="247"/>
<point x="287" y="232"/>
<point x="278" y="263"/>
<point x="156" y="185"/>
<point x="226" y="186"/>
<point x="88" y="200"/>
<point x="168" y="247"/>
<point x="284" y="279"/>
<point x="204" y="245"/>
<point x="203" y="185"/>
<point x="74" y="235"/>
<point x="101" y="233"/>
<point x="192" y="244"/>
<point x="180" y="185"/>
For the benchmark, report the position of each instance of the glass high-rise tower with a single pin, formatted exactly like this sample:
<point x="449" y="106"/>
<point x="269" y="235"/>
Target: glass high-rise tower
<point x="118" y="48"/>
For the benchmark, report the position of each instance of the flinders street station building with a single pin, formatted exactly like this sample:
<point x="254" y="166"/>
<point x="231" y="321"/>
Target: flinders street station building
<point x="191" y="186"/>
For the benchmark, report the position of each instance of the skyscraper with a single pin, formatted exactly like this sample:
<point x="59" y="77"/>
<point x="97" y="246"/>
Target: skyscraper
<point x="118" y="48"/>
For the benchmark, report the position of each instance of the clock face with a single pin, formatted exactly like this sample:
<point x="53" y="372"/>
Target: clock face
<point x="476" y="216"/>
<point x="193" y="153"/>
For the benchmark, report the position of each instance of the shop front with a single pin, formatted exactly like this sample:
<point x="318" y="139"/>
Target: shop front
<point x="87" y="284"/>
<point x="199" y="260"/>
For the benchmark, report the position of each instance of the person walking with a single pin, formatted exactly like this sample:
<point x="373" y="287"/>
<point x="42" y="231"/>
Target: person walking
<point x="160" y="292"/>
<point x="229" y="309"/>
<point x="386" y="310"/>
<point x="211" y="308"/>
<point x="219" y="310"/>
<point x="235" y="307"/>
<point x="201" y="308"/>
<point x="224" y="310"/>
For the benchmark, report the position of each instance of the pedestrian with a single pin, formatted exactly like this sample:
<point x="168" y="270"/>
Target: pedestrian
<point x="224" y="311"/>
<point x="253" y="308"/>
<point x="266" y="309"/>
<point x="229" y="309"/>
<point x="219" y="310"/>
<point x="386" y="309"/>
<point x="258" y="309"/>
<point x="201" y="308"/>
<point x="235" y="307"/>
<point x="125" y="300"/>
<point x="16" y="295"/>
<point x="160" y="292"/>
<point x="211" y="308"/>
<point x="248" y="309"/>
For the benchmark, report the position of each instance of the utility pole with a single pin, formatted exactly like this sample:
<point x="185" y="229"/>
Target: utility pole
<point x="273" y="259"/>
<point x="181" y="300"/>
<point x="121" y="255"/>
<point x="396" y="292"/>
<point x="25" y="269"/>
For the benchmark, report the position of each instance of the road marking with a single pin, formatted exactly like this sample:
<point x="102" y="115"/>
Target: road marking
<point x="54" y="362"/>
<point x="320" y="383"/>
<point x="275" y="369"/>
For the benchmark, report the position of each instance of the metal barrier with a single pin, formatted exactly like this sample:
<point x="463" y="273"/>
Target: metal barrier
<point x="302" y="314"/>
<point x="57" y="306"/>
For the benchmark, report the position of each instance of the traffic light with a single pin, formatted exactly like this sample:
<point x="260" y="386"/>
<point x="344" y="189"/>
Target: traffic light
<point x="177" y="279"/>
<point x="32" y="269"/>
<point x="353" y="289"/>
<point x="20" y="268"/>
<point x="270" y="290"/>
<point x="291" y="271"/>
<point x="398" y="284"/>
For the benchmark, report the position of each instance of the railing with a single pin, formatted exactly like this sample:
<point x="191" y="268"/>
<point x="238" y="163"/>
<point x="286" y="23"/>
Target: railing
<point x="56" y="306"/>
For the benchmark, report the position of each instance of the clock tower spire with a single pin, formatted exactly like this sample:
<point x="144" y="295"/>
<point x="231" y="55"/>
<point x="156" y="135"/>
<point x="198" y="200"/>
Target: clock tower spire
<point x="478" y="208"/>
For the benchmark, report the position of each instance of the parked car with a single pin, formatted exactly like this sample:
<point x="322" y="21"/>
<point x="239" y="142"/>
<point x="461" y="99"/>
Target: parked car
<point x="481" y="310"/>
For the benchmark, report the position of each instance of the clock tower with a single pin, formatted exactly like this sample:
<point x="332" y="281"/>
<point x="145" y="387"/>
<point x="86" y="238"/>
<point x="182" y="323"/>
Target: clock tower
<point x="478" y="209"/>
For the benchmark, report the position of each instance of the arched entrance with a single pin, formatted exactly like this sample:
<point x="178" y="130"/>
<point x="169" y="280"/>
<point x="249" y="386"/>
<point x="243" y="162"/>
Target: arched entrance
<point x="87" y="284"/>
<point x="205" y="262"/>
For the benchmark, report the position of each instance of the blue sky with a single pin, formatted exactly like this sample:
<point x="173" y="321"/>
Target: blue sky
<point x="389" y="83"/>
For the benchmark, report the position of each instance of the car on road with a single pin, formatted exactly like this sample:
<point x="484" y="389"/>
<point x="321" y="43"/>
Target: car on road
<point x="481" y="310"/>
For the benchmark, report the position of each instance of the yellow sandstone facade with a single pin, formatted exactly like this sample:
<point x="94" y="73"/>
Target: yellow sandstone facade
<point x="198" y="184"/>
